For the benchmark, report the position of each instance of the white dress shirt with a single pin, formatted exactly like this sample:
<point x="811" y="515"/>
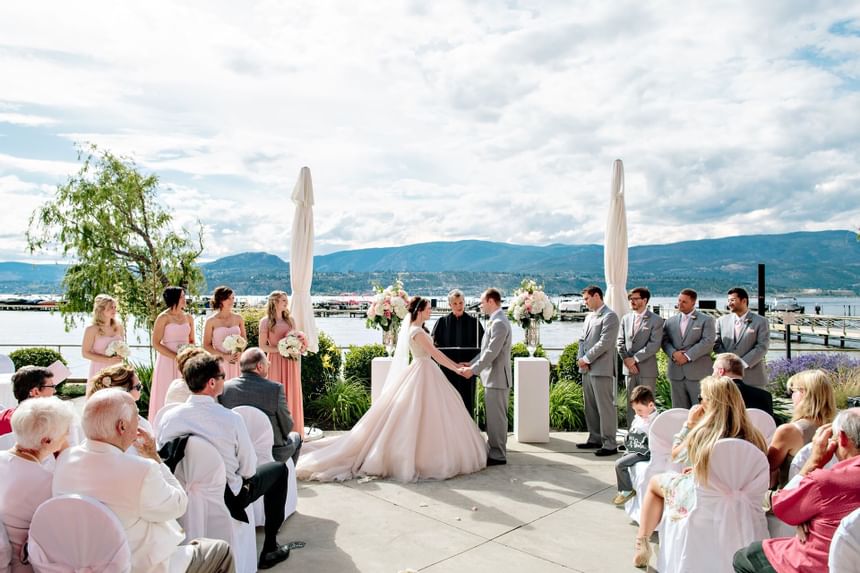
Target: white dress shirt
<point x="143" y="494"/>
<point x="24" y="485"/>
<point x="202" y="416"/>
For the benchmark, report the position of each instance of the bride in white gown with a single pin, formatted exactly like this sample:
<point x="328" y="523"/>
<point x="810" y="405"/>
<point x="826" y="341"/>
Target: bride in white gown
<point x="416" y="429"/>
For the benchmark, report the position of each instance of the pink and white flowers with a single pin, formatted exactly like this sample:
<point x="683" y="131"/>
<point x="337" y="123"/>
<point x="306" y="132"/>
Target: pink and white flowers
<point x="388" y="307"/>
<point x="293" y="345"/>
<point x="118" y="348"/>
<point x="234" y="343"/>
<point x="531" y="304"/>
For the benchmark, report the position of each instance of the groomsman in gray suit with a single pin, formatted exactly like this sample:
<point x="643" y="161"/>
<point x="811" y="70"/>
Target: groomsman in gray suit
<point x="596" y="360"/>
<point x="746" y="334"/>
<point x="688" y="339"/>
<point x="494" y="366"/>
<point x="639" y="340"/>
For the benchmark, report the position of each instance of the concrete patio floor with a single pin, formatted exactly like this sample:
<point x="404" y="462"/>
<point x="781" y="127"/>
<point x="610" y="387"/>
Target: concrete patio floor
<point x="548" y="510"/>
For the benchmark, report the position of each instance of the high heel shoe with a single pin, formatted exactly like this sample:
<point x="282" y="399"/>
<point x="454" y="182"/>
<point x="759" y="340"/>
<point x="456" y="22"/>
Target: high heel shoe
<point x="643" y="553"/>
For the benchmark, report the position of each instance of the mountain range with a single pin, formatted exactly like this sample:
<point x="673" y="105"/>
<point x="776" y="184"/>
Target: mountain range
<point x="827" y="261"/>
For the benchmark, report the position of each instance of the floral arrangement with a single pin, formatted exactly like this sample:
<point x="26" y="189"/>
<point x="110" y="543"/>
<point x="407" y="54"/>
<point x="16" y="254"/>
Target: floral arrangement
<point x="234" y="343"/>
<point x="531" y="304"/>
<point x="293" y="345"/>
<point x="388" y="307"/>
<point x="118" y="348"/>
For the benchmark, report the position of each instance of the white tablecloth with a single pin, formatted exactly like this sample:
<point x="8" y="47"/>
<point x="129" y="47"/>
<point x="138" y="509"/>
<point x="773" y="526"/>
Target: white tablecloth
<point x="7" y="398"/>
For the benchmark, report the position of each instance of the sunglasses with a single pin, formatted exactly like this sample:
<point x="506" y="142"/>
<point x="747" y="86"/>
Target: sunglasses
<point x="54" y="386"/>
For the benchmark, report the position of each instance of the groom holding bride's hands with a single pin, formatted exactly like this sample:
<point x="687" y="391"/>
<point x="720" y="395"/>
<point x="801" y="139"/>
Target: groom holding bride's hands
<point x="493" y="364"/>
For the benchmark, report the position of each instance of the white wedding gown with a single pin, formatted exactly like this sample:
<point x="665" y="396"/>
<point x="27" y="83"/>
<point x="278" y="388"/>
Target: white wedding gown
<point x="416" y="429"/>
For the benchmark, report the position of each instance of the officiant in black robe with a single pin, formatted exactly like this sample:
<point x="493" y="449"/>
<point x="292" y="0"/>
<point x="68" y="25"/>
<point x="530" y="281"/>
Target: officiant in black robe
<point x="458" y="335"/>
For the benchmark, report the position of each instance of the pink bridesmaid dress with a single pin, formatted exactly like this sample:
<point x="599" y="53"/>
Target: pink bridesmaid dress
<point x="287" y="372"/>
<point x="166" y="371"/>
<point x="218" y="336"/>
<point x="100" y="345"/>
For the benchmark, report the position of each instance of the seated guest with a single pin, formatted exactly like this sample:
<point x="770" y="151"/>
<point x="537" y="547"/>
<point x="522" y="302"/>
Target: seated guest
<point x="252" y="388"/>
<point x="720" y="414"/>
<point x="636" y="442"/>
<point x="202" y="416"/>
<point x="731" y="365"/>
<point x="139" y="489"/>
<point x="124" y="377"/>
<point x="27" y="382"/>
<point x="817" y="505"/>
<point x="178" y="390"/>
<point x="814" y="405"/>
<point x="41" y="428"/>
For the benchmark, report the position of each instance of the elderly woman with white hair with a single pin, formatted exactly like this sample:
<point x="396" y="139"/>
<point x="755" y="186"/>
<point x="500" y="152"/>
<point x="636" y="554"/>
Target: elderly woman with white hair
<point x="41" y="429"/>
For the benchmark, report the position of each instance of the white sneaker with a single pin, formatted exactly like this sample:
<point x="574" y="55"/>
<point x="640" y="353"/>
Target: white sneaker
<point x="312" y="433"/>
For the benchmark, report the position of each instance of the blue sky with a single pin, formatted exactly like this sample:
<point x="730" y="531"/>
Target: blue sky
<point x="442" y="121"/>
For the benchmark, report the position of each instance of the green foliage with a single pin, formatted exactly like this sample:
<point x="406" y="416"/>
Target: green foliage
<point x="481" y="409"/>
<point x="252" y="317"/>
<point x="144" y="374"/>
<point x="340" y="405"/>
<point x="566" y="406"/>
<point x="567" y="369"/>
<point x="70" y="390"/>
<point x="35" y="357"/>
<point x="321" y="368"/>
<point x="106" y="217"/>
<point x="357" y="363"/>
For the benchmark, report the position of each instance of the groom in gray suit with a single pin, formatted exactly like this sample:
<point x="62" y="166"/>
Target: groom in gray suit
<point x="639" y="340"/>
<point x="494" y="366"/>
<point x="746" y="334"/>
<point x="688" y="339"/>
<point x="596" y="360"/>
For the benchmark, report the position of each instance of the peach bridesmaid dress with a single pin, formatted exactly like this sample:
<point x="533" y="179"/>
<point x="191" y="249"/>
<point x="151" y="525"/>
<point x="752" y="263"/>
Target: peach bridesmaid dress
<point x="166" y="371"/>
<point x="287" y="372"/>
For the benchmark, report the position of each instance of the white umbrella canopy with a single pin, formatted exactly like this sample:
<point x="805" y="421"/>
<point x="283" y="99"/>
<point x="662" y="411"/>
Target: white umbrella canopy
<point x="302" y="259"/>
<point x="615" y="249"/>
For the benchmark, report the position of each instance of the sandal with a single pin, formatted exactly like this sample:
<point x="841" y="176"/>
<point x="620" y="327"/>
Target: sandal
<point x="643" y="553"/>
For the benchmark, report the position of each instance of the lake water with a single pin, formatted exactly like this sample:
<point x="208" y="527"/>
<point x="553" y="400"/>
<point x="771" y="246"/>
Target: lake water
<point x="28" y="328"/>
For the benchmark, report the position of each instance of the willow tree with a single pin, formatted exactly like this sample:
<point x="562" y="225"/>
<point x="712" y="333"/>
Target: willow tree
<point x="107" y="219"/>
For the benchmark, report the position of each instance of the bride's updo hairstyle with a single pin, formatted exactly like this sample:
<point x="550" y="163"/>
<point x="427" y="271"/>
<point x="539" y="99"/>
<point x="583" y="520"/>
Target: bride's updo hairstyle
<point x="416" y="305"/>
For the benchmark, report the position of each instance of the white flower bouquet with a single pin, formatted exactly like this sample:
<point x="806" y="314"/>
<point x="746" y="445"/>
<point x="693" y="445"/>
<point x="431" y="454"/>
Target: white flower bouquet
<point x="531" y="304"/>
<point x="118" y="348"/>
<point x="388" y="307"/>
<point x="234" y="343"/>
<point x="293" y="345"/>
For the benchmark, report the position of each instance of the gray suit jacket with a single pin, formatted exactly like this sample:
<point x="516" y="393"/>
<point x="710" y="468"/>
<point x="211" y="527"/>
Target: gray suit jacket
<point x="598" y="341"/>
<point x="751" y="346"/>
<point x="642" y="344"/>
<point x="697" y="343"/>
<point x="249" y="389"/>
<point x="494" y="362"/>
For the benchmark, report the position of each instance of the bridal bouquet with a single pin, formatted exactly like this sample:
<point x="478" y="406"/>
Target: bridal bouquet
<point x="234" y="343"/>
<point x="388" y="307"/>
<point x="531" y="304"/>
<point x="118" y="348"/>
<point x="293" y="345"/>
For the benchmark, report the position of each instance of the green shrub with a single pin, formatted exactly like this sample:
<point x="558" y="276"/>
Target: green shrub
<point x="358" y="360"/>
<point x="321" y="368"/>
<point x="252" y="317"/>
<point x="70" y="390"/>
<point x="340" y="405"/>
<point x="144" y="374"/>
<point x="566" y="406"/>
<point x="35" y="357"/>
<point x="567" y="369"/>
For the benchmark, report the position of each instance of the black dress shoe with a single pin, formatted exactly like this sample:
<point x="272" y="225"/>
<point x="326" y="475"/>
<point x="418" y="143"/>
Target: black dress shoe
<point x="495" y="462"/>
<point x="272" y="558"/>
<point x="588" y="446"/>
<point x="606" y="452"/>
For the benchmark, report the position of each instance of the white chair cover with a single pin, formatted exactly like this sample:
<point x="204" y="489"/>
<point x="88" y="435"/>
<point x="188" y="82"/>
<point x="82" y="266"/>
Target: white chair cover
<point x="801" y="457"/>
<point x="5" y="551"/>
<point x="6" y="365"/>
<point x="763" y="422"/>
<point x="660" y="435"/>
<point x="7" y="441"/>
<point x="202" y="474"/>
<point x="727" y="514"/>
<point x="845" y="546"/>
<point x="75" y="533"/>
<point x="260" y="430"/>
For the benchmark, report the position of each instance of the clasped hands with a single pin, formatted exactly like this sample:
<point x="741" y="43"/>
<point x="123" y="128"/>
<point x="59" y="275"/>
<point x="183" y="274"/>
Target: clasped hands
<point x="465" y="370"/>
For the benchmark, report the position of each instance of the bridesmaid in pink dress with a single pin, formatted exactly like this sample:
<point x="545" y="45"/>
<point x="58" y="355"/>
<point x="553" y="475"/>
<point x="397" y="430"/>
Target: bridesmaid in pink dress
<point x="221" y="325"/>
<point x="98" y="336"/>
<point x="173" y="328"/>
<point x="275" y="326"/>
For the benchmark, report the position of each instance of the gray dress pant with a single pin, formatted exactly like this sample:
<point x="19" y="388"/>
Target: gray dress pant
<point x="685" y="393"/>
<point x="496" y="403"/>
<point x="601" y="417"/>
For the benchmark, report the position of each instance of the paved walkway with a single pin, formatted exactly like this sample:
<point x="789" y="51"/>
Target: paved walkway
<point x="549" y="510"/>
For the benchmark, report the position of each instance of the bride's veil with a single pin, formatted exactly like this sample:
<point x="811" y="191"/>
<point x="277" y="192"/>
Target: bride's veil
<point x="401" y="353"/>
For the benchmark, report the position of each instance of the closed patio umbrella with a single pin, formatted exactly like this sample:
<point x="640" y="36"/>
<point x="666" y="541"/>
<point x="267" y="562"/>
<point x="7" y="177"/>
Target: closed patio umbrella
<point x="302" y="259"/>
<point x="615" y="249"/>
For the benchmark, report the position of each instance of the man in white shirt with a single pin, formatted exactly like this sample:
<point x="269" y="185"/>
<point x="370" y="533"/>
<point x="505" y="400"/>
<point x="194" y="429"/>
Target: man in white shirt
<point x="201" y="415"/>
<point x="139" y="489"/>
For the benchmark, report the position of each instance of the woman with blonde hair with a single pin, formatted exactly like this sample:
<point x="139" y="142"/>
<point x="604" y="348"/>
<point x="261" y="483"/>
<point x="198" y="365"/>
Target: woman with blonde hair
<point x="99" y="335"/>
<point x="222" y="324"/>
<point x="720" y="414"/>
<point x="276" y="325"/>
<point x="814" y="405"/>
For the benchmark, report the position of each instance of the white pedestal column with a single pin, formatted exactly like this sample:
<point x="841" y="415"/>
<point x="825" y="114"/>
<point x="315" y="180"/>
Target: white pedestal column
<point x="378" y="371"/>
<point x="531" y="400"/>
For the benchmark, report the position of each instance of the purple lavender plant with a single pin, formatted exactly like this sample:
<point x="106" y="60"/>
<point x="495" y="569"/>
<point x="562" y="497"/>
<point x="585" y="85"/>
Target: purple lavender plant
<point x="779" y="371"/>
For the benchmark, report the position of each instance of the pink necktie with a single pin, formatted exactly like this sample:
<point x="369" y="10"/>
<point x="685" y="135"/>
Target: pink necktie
<point x="637" y="322"/>
<point x="685" y="320"/>
<point x="738" y="328"/>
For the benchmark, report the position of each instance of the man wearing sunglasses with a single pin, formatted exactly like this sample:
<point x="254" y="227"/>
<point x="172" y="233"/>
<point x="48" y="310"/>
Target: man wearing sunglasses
<point x="28" y="382"/>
